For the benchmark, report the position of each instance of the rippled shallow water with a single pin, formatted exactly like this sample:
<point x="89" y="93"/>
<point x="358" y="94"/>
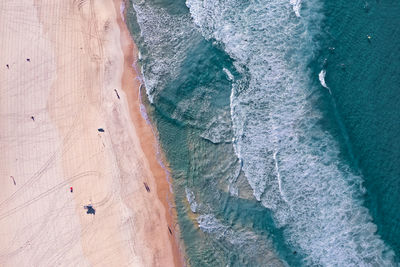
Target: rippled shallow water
<point x="255" y="104"/>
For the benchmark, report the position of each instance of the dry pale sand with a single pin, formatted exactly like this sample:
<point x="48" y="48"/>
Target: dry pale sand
<point x="60" y="64"/>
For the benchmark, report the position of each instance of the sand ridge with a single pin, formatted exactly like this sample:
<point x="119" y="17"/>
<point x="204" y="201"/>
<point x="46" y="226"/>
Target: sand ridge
<point x="60" y="81"/>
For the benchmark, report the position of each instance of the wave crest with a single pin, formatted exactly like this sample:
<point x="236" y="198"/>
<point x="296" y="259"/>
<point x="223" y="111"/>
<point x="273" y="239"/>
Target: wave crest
<point x="291" y="163"/>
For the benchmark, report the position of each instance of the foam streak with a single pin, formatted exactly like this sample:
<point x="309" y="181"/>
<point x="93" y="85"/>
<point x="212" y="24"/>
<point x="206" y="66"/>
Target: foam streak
<point x="321" y="207"/>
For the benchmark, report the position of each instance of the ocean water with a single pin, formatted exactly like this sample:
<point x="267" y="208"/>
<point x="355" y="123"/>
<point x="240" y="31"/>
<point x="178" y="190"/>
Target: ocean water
<point x="365" y="81"/>
<point x="270" y="114"/>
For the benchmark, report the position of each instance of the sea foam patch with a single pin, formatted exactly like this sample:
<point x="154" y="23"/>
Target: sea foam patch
<point x="321" y="77"/>
<point x="162" y="34"/>
<point x="296" y="6"/>
<point x="291" y="163"/>
<point x="245" y="241"/>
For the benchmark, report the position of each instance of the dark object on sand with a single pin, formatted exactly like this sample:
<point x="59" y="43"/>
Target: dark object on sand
<point x="7" y="66"/>
<point x="90" y="209"/>
<point x="116" y="92"/>
<point x="170" y="231"/>
<point x="12" y="177"/>
<point x="147" y="187"/>
<point x="33" y="118"/>
<point x="100" y="130"/>
<point x="28" y="59"/>
<point x="71" y="189"/>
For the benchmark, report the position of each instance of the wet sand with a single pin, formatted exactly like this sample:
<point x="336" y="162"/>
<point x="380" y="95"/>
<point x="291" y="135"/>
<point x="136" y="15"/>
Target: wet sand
<point x="70" y="117"/>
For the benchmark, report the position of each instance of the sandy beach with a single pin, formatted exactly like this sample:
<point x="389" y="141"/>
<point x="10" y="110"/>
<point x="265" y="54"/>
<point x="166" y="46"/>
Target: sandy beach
<point x="72" y="136"/>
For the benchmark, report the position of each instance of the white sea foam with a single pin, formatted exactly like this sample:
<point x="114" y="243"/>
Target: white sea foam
<point x="246" y="242"/>
<point x="228" y="73"/>
<point x="162" y="34"/>
<point x="218" y="129"/>
<point x="191" y="198"/>
<point x="291" y="163"/>
<point x="296" y="6"/>
<point x="321" y="77"/>
<point x="278" y="177"/>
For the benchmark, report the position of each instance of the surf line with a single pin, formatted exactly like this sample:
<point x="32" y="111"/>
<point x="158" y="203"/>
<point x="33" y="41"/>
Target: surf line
<point x="296" y="7"/>
<point x="342" y="128"/>
<point x="321" y="77"/>
<point x="278" y="176"/>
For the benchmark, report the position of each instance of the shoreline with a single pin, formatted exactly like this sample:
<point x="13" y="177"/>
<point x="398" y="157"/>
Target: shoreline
<point x="154" y="152"/>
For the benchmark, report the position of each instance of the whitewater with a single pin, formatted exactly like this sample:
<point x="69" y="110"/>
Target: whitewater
<point x="291" y="162"/>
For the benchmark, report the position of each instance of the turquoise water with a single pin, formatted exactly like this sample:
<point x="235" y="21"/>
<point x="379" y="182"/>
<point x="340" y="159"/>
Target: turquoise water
<point x="269" y="167"/>
<point x="367" y="94"/>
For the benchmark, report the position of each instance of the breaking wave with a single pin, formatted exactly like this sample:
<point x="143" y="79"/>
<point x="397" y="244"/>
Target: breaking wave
<point x="247" y="242"/>
<point x="321" y="77"/>
<point x="291" y="163"/>
<point x="162" y="33"/>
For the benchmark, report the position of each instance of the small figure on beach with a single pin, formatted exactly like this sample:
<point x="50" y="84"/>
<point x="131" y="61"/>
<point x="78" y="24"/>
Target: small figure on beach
<point x="147" y="187"/>
<point x="12" y="177"/>
<point x="28" y="59"/>
<point x="71" y="189"/>
<point x="100" y="130"/>
<point x="90" y="209"/>
<point x="116" y="92"/>
<point x="33" y="118"/>
<point x="170" y="231"/>
<point x="7" y="66"/>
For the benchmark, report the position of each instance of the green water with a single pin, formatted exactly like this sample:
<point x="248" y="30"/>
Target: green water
<point x="191" y="89"/>
<point x="366" y="90"/>
<point x="182" y="111"/>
